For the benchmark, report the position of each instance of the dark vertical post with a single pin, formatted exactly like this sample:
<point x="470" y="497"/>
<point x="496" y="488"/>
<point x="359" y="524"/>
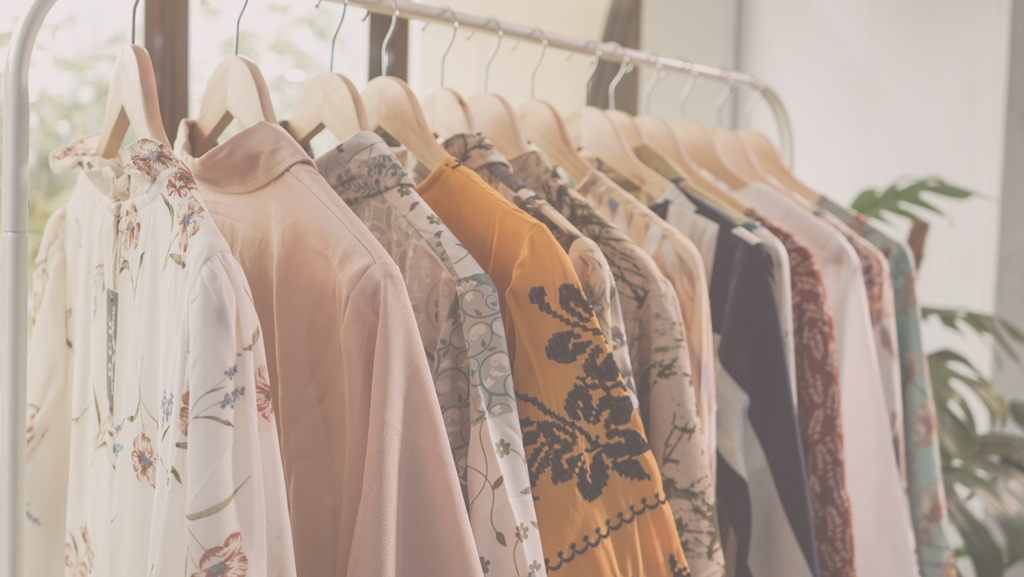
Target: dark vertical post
<point x="398" y="48"/>
<point x="1010" y="281"/>
<point x="167" y="43"/>
<point x="623" y="26"/>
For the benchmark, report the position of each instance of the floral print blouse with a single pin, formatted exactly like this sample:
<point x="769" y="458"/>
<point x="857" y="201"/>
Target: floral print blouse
<point x="456" y="307"/>
<point x="152" y="441"/>
<point x="679" y="260"/>
<point x="657" y="346"/>
<point x="590" y="264"/>
<point x="601" y="507"/>
<point x="924" y="468"/>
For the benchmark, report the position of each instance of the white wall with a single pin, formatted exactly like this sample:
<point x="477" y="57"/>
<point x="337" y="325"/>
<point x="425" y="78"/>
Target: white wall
<point x="878" y="90"/>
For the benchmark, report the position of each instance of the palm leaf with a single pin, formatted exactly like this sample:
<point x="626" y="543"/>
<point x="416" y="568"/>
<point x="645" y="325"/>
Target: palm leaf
<point x="1004" y="333"/>
<point x="982" y="548"/>
<point x="1002" y="508"/>
<point x="900" y="196"/>
<point x="947" y="366"/>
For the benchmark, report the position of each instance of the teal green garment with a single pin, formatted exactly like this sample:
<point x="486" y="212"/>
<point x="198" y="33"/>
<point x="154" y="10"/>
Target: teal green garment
<point x="924" y="468"/>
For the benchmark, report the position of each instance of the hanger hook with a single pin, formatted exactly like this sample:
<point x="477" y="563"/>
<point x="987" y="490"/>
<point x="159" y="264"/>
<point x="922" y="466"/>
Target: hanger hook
<point x="387" y="39"/>
<point x="659" y="75"/>
<point x="687" y="90"/>
<point x="134" y="9"/>
<point x="334" y="39"/>
<point x="729" y="86"/>
<point x="238" y="24"/>
<point x="756" y="100"/>
<point x="540" y="57"/>
<point x="594" y="62"/>
<point x="624" y="68"/>
<point x="494" y="51"/>
<point x="455" y="32"/>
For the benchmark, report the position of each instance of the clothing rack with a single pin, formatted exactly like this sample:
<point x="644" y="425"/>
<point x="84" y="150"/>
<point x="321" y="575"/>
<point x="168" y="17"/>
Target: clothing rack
<point x="14" y="206"/>
<point x="609" y="51"/>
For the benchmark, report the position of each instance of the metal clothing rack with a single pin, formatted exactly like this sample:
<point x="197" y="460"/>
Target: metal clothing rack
<point x="14" y="205"/>
<point x="609" y="51"/>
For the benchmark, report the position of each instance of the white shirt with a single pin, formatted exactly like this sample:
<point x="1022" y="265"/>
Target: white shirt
<point x="153" y="453"/>
<point x="883" y="535"/>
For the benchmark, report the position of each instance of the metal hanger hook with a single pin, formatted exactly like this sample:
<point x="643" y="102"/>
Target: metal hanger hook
<point x="334" y="39"/>
<point x="624" y="68"/>
<point x="134" y="9"/>
<point x="754" y="102"/>
<point x="540" y="58"/>
<point x="387" y="39"/>
<point x="494" y="51"/>
<point x="455" y="32"/>
<point x="687" y="90"/>
<point x="729" y="86"/>
<point x="659" y="75"/>
<point x="238" y="24"/>
<point x="594" y="62"/>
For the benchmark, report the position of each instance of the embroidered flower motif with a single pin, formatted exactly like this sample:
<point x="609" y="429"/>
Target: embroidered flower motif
<point x="87" y="561"/>
<point x="68" y="552"/>
<point x="152" y="157"/>
<point x="189" y="223"/>
<point x="534" y="567"/>
<point x="130" y="228"/>
<point x="230" y="398"/>
<point x="485" y="565"/>
<point x="230" y="373"/>
<point x="84" y="147"/>
<point x="224" y="561"/>
<point x="143" y="461"/>
<point x="264" y="398"/>
<point x="183" y="414"/>
<point x="522" y="532"/>
<point x="166" y="406"/>
<point x="117" y="448"/>
<point x="181" y="184"/>
<point x="503" y="448"/>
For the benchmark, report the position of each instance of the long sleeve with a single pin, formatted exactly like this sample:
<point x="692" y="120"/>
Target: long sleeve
<point x="49" y="406"/>
<point x="225" y="465"/>
<point x="411" y="519"/>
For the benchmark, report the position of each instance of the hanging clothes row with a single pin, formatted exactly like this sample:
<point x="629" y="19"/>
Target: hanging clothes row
<point x="472" y="339"/>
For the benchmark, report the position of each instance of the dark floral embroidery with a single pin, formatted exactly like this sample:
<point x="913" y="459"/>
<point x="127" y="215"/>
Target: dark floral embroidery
<point x="573" y="446"/>
<point x="264" y="398"/>
<point x="678" y="569"/>
<point x="143" y="461"/>
<point x="227" y="560"/>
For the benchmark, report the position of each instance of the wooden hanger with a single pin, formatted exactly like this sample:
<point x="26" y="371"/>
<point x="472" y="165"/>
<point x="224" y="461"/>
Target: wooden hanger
<point x="331" y="101"/>
<point x="498" y="120"/>
<point x="495" y="116"/>
<point x="446" y="112"/>
<point x="328" y="100"/>
<point x="698" y="143"/>
<point x="235" y="90"/>
<point x="767" y="157"/>
<point x="735" y="153"/>
<point x="598" y="135"/>
<point x="546" y="129"/>
<point x="132" y="100"/>
<point x="392" y="110"/>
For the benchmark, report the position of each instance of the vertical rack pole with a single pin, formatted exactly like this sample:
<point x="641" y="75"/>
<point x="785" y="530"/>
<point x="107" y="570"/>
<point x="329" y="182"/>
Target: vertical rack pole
<point x="14" y="290"/>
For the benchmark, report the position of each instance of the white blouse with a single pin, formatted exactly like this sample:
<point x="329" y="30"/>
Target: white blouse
<point x="152" y="441"/>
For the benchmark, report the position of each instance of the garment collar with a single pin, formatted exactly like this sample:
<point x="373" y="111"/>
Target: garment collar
<point x="361" y="167"/>
<point x="245" y="162"/>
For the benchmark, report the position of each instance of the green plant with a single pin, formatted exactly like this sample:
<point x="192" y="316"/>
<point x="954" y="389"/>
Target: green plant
<point x="982" y="455"/>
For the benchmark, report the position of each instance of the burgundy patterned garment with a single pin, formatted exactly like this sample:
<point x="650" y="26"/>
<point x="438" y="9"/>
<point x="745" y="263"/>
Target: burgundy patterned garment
<point x="817" y="380"/>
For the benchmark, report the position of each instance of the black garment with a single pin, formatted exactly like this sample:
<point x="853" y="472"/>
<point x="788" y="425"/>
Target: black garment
<point x="745" y="316"/>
